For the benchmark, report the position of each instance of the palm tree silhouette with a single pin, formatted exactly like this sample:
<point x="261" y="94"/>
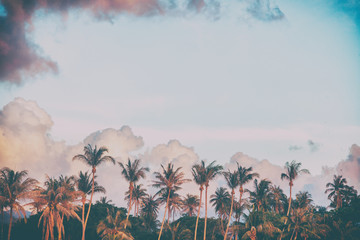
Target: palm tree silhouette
<point x="337" y="189"/>
<point x="221" y="201"/>
<point x="292" y="171"/>
<point x="232" y="181"/>
<point x="57" y="201"/>
<point x="17" y="187"/>
<point x="198" y="172"/>
<point x="84" y="186"/>
<point x="168" y="180"/>
<point x="245" y="176"/>
<point x="132" y="173"/>
<point x="189" y="204"/>
<point x="260" y="196"/>
<point x="138" y="196"/>
<point x="113" y="227"/>
<point x="211" y="171"/>
<point x="93" y="157"/>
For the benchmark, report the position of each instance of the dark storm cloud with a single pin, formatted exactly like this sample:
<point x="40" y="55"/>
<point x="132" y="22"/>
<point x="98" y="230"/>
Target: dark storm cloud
<point x="20" y="58"/>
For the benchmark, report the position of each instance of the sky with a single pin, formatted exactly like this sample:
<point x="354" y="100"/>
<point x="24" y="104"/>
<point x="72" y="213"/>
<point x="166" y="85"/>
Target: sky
<point x="258" y="82"/>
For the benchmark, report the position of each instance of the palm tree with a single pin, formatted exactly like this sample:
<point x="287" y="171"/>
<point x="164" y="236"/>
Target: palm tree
<point x="198" y="172"/>
<point x="138" y="196"/>
<point x="232" y="181"/>
<point x="93" y="157"/>
<point x="277" y="197"/>
<point x="189" y="204"/>
<point x="245" y="176"/>
<point x="3" y="204"/>
<point x="113" y="228"/>
<point x="16" y="187"/>
<point x="303" y="200"/>
<point x="221" y="200"/>
<point x="169" y="180"/>
<point x="84" y="185"/>
<point x="149" y="211"/>
<point x="104" y="201"/>
<point x="211" y="171"/>
<point x="132" y="173"/>
<point x="260" y="196"/>
<point x="336" y="189"/>
<point x="292" y="171"/>
<point x="179" y="232"/>
<point x="56" y="201"/>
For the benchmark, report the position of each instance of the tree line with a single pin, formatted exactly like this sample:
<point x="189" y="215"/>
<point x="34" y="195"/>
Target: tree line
<point x="64" y="205"/>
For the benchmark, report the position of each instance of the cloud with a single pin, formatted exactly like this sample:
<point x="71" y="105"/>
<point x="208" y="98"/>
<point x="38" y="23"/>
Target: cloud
<point x="265" y="10"/>
<point x="25" y="142"/>
<point x="314" y="147"/>
<point x="350" y="168"/>
<point x="22" y="59"/>
<point x="293" y="148"/>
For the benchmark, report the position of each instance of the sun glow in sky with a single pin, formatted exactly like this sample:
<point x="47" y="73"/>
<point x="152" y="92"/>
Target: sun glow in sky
<point x="218" y="83"/>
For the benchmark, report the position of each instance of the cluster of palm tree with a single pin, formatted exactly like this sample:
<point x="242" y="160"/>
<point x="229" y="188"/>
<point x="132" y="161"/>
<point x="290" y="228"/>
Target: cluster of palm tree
<point x="262" y="211"/>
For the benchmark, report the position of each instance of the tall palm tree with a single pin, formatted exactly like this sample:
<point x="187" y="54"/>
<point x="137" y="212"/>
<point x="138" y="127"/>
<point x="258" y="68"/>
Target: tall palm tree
<point x="260" y="196"/>
<point x="198" y="172"/>
<point x="211" y="171"/>
<point x="84" y="185"/>
<point x="245" y="176"/>
<point x="221" y="201"/>
<point x="336" y="189"/>
<point x="292" y="171"/>
<point x="138" y="196"/>
<point x="132" y="173"/>
<point x="189" y="204"/>
<point x="113" y="227"/>
<point x="17" y="187"/>
<point x="93" y="157"/>
<point x="168" y="180"/>
<point x="56" y="200"/>
<point x="232" y="181"/>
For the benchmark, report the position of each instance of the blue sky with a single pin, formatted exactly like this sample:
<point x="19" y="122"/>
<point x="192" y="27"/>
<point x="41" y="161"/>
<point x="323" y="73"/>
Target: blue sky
<point x="221" y="85"/>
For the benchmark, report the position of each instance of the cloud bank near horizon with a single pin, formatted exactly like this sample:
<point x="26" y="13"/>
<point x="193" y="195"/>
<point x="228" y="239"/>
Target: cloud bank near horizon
<point x="26" y="143"/>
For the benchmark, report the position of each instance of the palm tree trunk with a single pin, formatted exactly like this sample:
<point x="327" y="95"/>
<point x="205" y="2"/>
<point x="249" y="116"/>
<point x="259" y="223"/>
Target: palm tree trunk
<point x="83" y="216"/>
<point x="91" y="197"/>
<point x="337" y="200"/>
<point x="2" y="223"/>
<point x="60" y="227"/>
<point x="10" y="222"/>
<point x="130" y="200"/>
<point x="231" y="208"/>
<point x="222" y="224"/>
<point x="241" y="190"/>
<point x="162" y="224"/>
<point x="288" y="212"/>
<point x="198" y="214"/>
<point x="206" y="188"/>
<point x="169" y="214"/>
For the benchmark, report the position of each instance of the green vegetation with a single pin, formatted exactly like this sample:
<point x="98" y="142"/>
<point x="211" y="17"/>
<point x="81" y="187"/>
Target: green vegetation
<point x="61" y="207"/>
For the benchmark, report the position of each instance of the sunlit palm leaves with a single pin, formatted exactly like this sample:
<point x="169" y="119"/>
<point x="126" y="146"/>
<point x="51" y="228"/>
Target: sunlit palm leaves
<point x="57" y="199"/>
<point x="168" y="180"/>
<point x="113" y="227"/>
<point x="92" y="157"/>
